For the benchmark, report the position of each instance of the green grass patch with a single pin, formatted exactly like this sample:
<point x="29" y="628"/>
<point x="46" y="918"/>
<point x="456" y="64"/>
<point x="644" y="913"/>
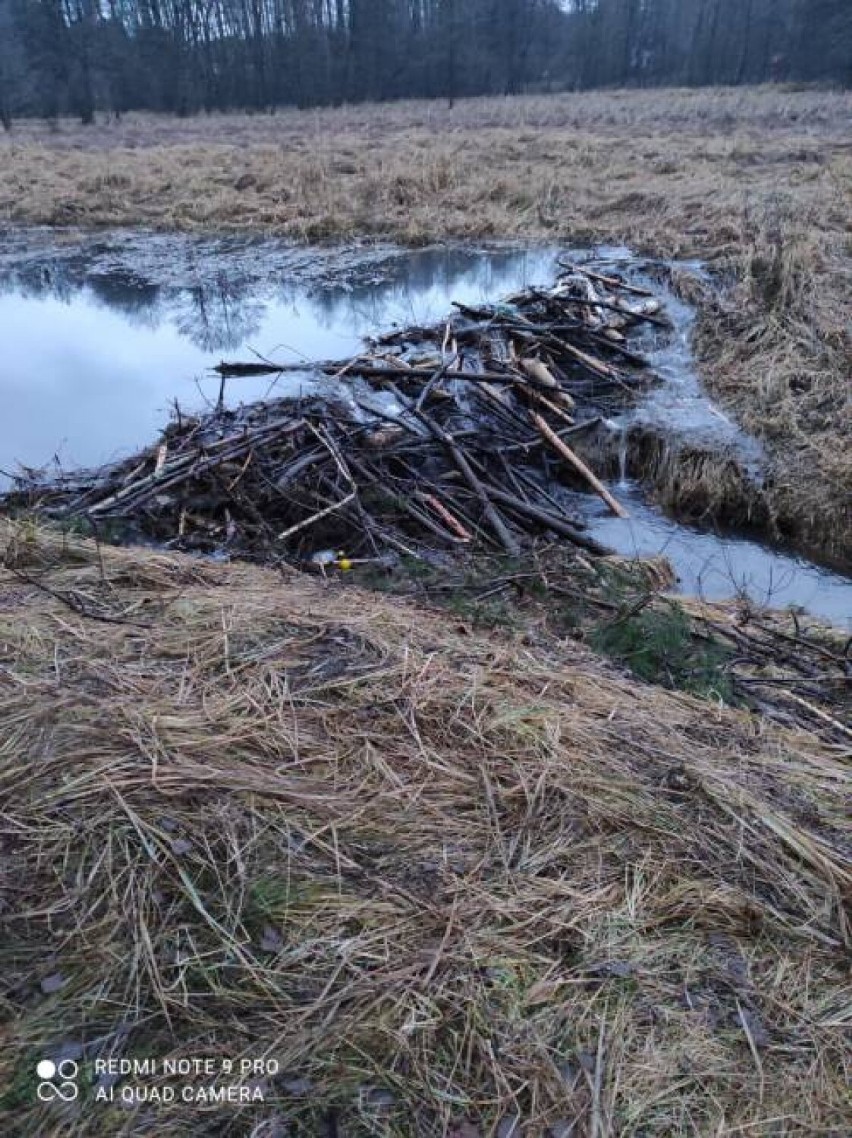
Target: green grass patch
<point x="659" y="645"/>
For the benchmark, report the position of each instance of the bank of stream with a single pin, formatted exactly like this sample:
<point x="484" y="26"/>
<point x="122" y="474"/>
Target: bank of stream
<point x="103" y="334"/>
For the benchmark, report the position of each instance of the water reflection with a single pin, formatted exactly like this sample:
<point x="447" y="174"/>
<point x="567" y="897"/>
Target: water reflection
<point x="219" y="297"/>
<point x="101" y="337"/>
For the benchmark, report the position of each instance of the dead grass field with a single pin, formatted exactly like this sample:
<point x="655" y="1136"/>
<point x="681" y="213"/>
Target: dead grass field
<point x="757" y="182"/>
<point x="455" y="883"/>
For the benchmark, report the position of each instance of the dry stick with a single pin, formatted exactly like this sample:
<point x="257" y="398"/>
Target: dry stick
<point x="533" y="487"/>
<point x="437" y="376"/>
<point x="188" y="465"/>
<point x="599" y="1128"/>
<point x="511" y="474"/>
<point x="507" y="415"/>
<point x="370" y="475"/>
<point x="72" y="601"/>
<point x="559" y="522"/>
<point x="332" y="448"/>
<point x="538" y="441"/>
<point x="368" y="526"/>
<point x="802" y="644"/>
<point x="507" y="540"/>
<point x="461" y="517"/>
<point x="155" y="480"/>
<point x="425" y="520"/>
<point x="579" y="465"/>
<point x="549" y="521"/>
<point x="317" y="517"/>
<point x="613" y="282"/>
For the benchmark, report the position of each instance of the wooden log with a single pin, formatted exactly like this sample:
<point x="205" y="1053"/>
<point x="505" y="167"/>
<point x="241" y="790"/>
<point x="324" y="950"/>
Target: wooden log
<point x="237" y="369"/>
<point x="549" y="521"/>
<point x="506" y="538"/>
<point x="543" y="375"/>
<point x="561" y="447"/>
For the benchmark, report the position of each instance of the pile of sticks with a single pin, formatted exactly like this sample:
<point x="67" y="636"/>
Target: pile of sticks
<point x="439" y="438"/>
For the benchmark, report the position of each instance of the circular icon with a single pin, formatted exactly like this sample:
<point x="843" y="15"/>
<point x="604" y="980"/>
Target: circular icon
<point x="47" y="1070"/>
<point x="47" y="1092"/>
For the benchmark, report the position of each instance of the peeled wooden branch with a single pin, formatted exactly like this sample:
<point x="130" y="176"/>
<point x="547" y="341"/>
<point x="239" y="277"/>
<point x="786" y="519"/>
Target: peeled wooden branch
<point x="317" y="517"/>
<point x="442" y="512"/>
<point x="578" y="464"/>
<point x="543" y="375"/>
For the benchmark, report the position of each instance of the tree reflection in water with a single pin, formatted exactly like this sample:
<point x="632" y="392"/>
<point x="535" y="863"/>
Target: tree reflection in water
<point x="217" y="292"/>
<point x="102" y="334"/>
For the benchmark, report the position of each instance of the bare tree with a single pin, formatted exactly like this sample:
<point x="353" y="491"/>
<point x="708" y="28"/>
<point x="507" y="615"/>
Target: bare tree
<point x="81" y="56"/>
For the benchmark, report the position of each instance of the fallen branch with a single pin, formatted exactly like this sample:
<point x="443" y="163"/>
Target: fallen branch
<point x="562" y="448"/>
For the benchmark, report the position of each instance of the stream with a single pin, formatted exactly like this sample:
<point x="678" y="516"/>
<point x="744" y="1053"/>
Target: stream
<point x="103" y="334"/>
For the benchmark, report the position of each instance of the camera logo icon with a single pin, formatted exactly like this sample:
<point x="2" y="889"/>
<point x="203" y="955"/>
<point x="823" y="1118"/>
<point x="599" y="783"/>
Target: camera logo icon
<point x="49" y="1089"/>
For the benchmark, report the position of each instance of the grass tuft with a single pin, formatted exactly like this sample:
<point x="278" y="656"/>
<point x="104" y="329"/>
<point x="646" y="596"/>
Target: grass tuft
<point x="447" y="878"/>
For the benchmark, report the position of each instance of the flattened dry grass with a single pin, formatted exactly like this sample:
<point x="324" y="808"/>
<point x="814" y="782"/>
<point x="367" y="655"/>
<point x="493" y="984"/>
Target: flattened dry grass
<point x="756" y="182"/>
<point x="448" y="880"/>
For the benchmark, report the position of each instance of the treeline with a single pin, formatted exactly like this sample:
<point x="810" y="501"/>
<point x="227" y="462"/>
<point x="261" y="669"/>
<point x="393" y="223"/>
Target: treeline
<point x="184" y="56"/>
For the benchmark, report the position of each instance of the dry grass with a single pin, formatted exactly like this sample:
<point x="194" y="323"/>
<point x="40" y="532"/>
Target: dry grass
<point x="447" y="879"/>
<point x="756" y="182"/>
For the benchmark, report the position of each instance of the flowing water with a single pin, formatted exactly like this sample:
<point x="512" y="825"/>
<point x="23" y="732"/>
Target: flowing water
<point x="719" y="567"/>
<point x="101" y="335"/>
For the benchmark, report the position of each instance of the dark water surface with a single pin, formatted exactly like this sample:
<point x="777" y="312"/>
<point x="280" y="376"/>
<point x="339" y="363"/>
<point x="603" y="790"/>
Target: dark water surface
<point x="102" y="334"/>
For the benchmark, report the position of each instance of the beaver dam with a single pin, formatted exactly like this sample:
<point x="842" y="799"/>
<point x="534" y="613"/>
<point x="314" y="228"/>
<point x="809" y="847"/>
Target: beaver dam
<point x="445" y="438"/>
<point x="481" y="431"/>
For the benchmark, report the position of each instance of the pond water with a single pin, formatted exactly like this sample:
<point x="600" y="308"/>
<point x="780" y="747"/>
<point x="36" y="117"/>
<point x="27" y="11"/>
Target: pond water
<point x="102" y="334"/>
<point x="101" y="337"/>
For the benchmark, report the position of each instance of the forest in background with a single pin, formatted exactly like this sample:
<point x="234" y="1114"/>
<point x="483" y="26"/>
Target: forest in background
<point x="81" y="57"/>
